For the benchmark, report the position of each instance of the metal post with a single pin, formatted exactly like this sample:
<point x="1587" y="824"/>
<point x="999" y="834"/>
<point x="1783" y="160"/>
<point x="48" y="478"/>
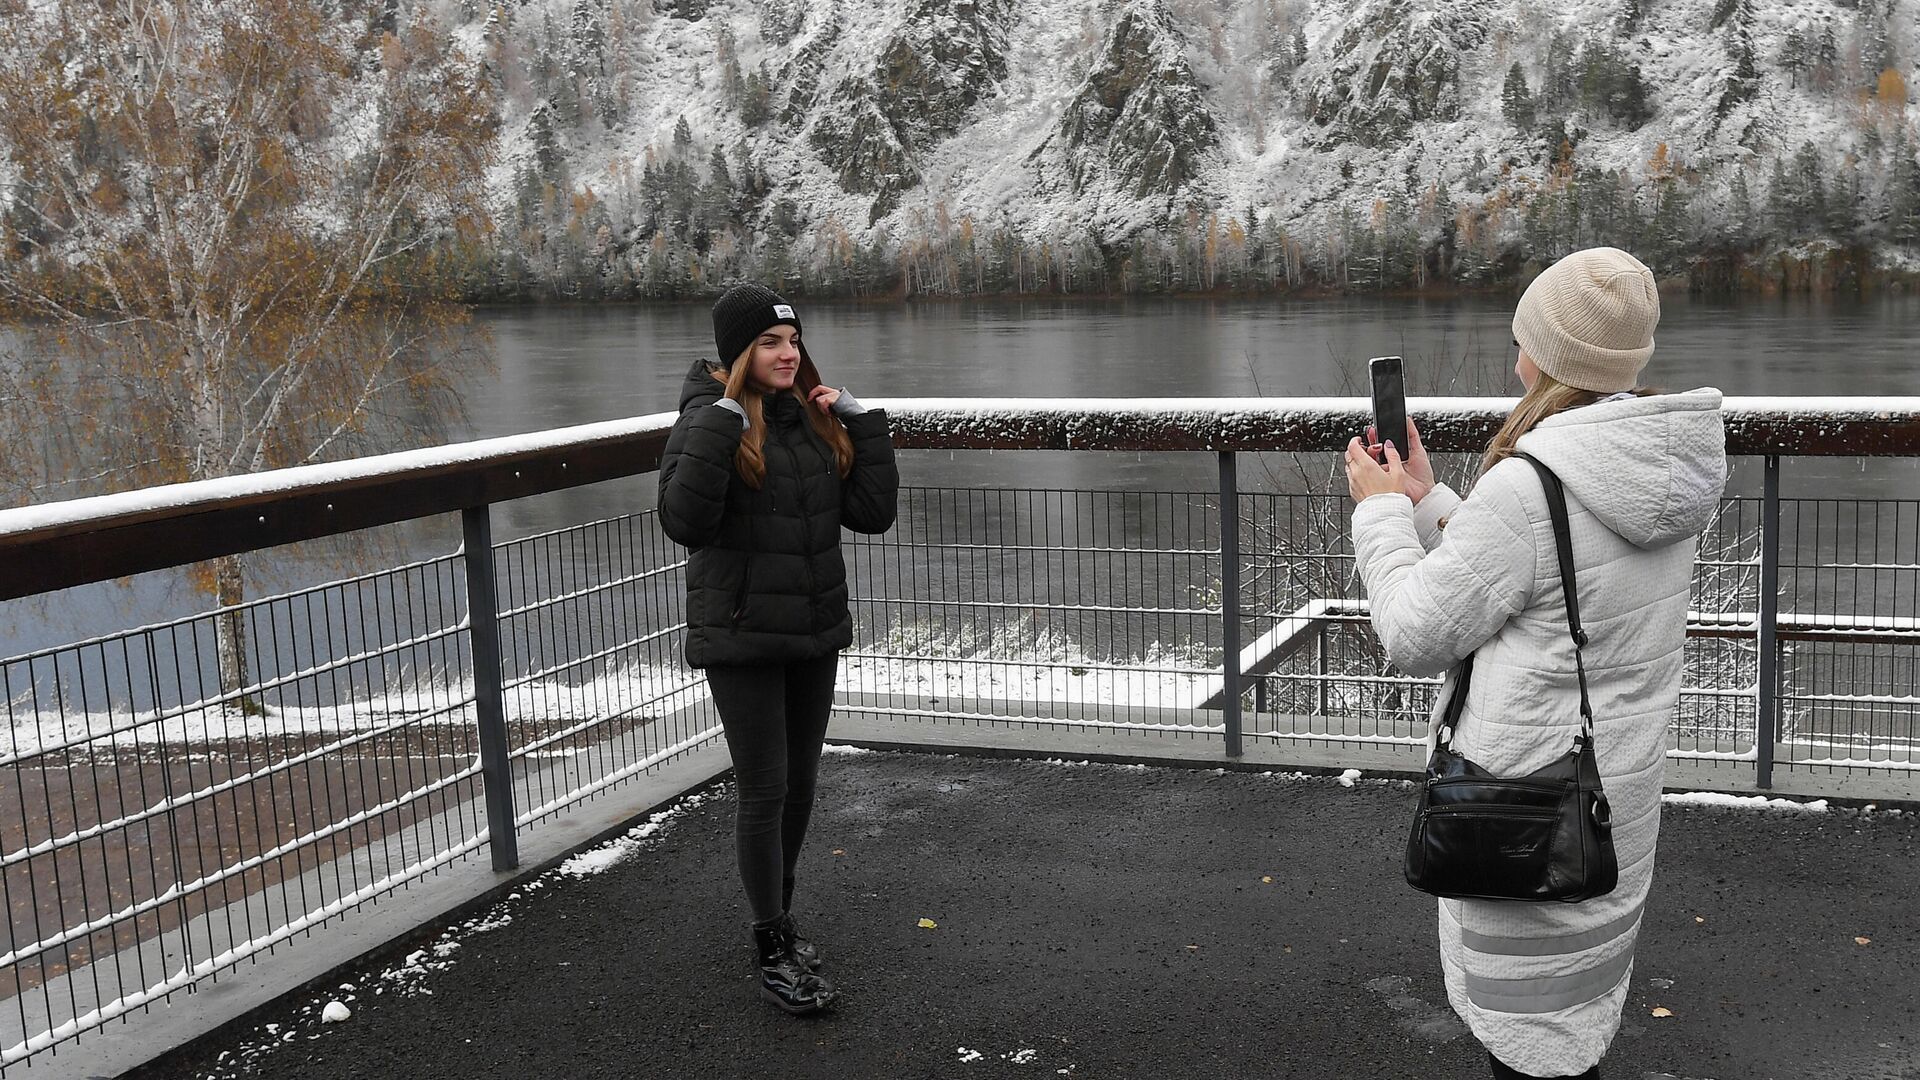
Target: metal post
<point x="483" y="629"/>
<point x="1766" y="723"/>
<point x="1320" y="664"/>
<point x="1230" y="596"/>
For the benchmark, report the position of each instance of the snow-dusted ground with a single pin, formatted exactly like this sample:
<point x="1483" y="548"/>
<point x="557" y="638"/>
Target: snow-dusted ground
<point x="411" y="976"/>
<point x="414" y="975"/>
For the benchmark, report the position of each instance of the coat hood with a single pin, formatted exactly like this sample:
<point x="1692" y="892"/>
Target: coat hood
<point x="700" y="387"/>
<point x="1650" y="468"/>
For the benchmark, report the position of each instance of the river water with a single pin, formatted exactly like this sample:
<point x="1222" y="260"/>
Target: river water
<point x="558" y="366"/>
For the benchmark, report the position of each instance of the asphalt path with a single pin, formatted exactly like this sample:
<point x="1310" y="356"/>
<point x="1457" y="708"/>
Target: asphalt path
<point x="1113" y="921"/>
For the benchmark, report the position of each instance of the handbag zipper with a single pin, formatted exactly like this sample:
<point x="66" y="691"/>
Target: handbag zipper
<point x="1544" y="787"/>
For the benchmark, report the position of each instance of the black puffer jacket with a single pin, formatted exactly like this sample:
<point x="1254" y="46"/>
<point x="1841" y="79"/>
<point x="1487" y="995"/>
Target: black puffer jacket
<point x="766" y="583"/>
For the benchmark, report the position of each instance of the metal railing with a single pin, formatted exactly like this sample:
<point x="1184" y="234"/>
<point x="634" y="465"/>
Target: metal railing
<point x="168" y="823"/>
<point x="1104" y="610"/>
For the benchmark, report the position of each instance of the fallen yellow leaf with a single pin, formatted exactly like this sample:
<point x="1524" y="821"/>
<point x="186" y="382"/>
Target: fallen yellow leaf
<point x="1267" y="880"/>
<point x="839" y="851"/>
<point x="1863" y="941"/>
<point x="1699" y="918"/>
<point x="928" y="924"/>
<point x="1662" y="1011"/>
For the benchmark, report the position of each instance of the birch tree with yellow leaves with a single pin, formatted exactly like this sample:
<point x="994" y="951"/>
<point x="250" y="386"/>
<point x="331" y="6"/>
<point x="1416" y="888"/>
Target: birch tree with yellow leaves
<point x="228" y="228"/>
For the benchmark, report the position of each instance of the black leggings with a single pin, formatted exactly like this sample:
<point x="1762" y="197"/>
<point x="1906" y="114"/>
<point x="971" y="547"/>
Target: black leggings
<point x="775" y="716"/>
<point x="1501" y="1072"/>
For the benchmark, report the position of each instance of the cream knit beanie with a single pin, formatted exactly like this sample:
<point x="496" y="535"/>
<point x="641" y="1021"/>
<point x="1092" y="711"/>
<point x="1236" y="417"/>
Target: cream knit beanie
<point x="1588" y="319"/>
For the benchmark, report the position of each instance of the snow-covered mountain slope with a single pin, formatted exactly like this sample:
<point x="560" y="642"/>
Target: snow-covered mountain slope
<point x="881" y="124"/>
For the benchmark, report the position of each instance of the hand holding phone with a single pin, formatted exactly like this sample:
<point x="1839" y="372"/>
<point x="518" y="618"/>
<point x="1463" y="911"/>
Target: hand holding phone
<point x="1389" y="405"/>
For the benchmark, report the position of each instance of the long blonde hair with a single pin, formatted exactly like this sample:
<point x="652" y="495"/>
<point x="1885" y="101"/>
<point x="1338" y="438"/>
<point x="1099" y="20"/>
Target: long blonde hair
<point x="750" y="460"/>
<point x="1548" y="397"/>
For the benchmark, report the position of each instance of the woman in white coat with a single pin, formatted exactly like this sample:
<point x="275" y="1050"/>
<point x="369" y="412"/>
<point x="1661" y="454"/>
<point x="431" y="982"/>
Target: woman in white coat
<point x="1541" y="985"/>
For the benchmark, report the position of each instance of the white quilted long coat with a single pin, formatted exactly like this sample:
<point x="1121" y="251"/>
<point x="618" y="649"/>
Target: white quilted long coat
<point x="1542" y="985"/>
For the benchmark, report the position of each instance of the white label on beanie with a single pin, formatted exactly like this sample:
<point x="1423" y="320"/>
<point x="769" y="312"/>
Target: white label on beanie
<point x="782" y="311"/>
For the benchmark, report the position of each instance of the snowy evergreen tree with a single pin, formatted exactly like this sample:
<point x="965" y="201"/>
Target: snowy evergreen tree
<point x="1903" y="193"/>
<point x="546" y="66"/>
<point x="733" y="82"/>
<point x="1796" y="57"/>
<point x="1668" y="229"/>
<point x="653" y="197"/>
<point x="1516" y="101"/>
<point x="1743" y="82"/>
<point x="549" y="159"/>
<point x="1478" y="178"/>
<point x="604" y="102"/>
<point x="756" y="99"/>
<point x="780" y="20"/>
<point x="1782" y="203"/>
<point x="1629" y="102"/>
<point x="1824" y="61"/>
<point x="1846" y="205"/>
<point x="587" y="39"/>
<point x="1810" y="190"/>
<point x="1630" y="13"/>
<point x="682" y="137"/>
<point x="1558" y="83"/>
<point x="1876" y="43"/>
<point x="1739" y="209"/>
<point x="1447" y="226"/>
<point x="787" y="217"/>
<point x="565" y="100"/>
<point x="1610" y="85"/>
<point x="719" y="176"/>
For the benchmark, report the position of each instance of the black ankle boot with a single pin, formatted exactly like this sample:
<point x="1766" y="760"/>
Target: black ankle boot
<point x="803" y="950"/>
<point x="783" y="978"/>
<point x="808" y="953"/>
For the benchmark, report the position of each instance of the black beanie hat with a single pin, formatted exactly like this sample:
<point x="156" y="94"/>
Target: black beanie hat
<point x="743" y="313"/>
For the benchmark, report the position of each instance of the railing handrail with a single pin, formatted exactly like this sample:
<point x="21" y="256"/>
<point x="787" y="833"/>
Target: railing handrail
<point x="1756" y="426"/>
<point x="61" y="544"/>
<point x="56" y="545"/>
<point x="352" y="475"/>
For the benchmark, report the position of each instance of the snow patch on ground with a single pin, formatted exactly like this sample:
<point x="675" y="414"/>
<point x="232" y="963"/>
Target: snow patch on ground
<point x="621" y="848"/>
<point x="1742" y="802"/>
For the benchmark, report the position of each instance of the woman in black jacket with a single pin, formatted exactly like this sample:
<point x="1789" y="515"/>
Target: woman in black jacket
<point x="761" y="472"/>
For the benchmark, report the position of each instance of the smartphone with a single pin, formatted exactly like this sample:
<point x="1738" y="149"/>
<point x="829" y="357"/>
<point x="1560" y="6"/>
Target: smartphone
<point x="1389" y="404"/>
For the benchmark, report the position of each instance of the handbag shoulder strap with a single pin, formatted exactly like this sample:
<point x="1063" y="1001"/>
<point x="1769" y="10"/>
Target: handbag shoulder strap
<point x="1563" y="542"/>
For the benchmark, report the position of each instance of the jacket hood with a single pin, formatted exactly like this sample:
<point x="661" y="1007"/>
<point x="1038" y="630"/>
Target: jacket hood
<point x="700" y="387"/>
<point x="1650" y="468"/>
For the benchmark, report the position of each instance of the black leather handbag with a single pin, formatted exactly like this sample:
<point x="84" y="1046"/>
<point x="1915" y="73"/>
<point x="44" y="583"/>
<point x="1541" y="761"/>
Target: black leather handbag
<point x="1544" y="836"/>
